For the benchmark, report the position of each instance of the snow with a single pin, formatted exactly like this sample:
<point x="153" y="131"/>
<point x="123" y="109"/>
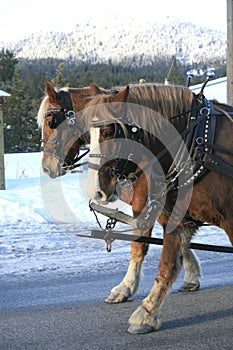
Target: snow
<point x="41" y="216"/>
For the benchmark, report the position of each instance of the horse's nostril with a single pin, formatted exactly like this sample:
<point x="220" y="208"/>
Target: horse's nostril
<point x="98" y="195"/>
<point x="45" y="170"/>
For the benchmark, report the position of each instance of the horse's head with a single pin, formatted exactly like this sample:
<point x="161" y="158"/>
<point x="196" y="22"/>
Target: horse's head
<point x="111" y="146"/>
<point x="62" y="131"/>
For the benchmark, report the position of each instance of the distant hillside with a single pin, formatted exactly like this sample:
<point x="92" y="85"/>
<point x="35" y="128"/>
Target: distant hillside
<point x="131" y="42"/>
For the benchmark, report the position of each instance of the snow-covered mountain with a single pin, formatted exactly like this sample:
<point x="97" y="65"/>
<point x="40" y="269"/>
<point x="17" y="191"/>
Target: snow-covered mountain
<point x="120" y="41"/>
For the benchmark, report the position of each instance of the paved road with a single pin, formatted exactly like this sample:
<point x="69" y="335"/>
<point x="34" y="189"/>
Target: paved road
<point x="67" y="312"/>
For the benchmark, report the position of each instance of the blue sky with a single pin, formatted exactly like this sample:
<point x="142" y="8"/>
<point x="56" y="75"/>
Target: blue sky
<point x="19" y="18"/>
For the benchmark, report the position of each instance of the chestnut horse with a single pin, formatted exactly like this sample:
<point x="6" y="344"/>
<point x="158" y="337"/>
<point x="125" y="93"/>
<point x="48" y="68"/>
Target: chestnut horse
<point x="61" y="146"/>
<point x="172" y="152"/>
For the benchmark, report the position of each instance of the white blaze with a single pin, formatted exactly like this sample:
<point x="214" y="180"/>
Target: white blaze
<point x="93" y="178"/>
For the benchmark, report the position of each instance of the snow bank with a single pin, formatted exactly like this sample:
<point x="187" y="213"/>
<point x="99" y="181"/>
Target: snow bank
<point x="41" y="216"/>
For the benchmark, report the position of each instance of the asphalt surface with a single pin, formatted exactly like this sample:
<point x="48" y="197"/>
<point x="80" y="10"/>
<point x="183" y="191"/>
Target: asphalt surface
<point x="53" y="312"/>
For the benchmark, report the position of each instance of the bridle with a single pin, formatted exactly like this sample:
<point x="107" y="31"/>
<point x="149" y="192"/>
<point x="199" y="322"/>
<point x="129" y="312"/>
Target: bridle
<point x="65" y="116"/>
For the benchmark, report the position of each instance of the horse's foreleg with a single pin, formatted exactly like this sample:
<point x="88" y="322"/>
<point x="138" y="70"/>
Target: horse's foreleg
<point x="130" y="282"/>
<point x="192" y="270"/>
<point x="147" y="316"/>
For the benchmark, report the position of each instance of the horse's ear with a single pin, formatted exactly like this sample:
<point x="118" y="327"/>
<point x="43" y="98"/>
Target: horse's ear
<point x="122" y="95"/>
<point x="51" y="92"/>
<point x="94" y="90"/>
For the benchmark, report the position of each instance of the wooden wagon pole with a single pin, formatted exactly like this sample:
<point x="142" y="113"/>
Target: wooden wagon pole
<point x="114" y="214"/>
<point x="109" y="235"/>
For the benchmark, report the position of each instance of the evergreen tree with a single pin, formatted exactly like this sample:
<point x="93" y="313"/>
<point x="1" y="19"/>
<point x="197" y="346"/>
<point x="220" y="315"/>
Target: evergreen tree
<point x="7" y="66"/>
<point x="20" y="128"/>
<point x="59" y="81"/>
<point x="174" y="76"/>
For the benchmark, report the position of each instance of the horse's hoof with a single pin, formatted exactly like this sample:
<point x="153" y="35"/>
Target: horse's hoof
<point x="116" y="299"/>
<point x="142" y="329"/>
<point x="189" y="287"/>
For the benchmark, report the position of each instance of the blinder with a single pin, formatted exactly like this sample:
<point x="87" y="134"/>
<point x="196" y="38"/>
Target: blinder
<point x="57" y="119"/>
<point x="65" y="113"/>
<point x="59" y="116"/>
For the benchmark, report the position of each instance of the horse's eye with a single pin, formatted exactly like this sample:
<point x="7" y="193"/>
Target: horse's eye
<point x="108" y="134"/>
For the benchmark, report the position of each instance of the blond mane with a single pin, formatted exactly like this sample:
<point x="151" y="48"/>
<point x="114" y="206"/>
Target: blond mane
<point x="43" y="108"/>
<point x="167" y="100"/>
<point x="163" y="100"/>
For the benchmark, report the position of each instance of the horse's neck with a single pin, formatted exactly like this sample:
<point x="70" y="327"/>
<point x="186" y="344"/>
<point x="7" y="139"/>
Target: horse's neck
<point x="166" y="140"/>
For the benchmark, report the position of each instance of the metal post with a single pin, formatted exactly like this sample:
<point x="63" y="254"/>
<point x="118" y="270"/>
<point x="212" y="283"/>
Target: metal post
<point x="230" y="52"/>
<point x="2" y="167"/>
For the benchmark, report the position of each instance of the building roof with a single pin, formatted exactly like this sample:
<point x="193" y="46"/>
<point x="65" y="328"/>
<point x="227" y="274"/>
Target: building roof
<point x="4" y="94"/>
<point x="215" y="89"/>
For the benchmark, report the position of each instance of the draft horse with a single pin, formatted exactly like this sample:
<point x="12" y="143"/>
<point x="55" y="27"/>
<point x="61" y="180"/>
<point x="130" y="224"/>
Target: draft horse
<point x="62" y="137"/>
<point x="177" y="146"/>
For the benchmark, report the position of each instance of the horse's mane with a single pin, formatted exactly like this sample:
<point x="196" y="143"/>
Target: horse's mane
<point x="44" y="106"/>
<point x="165" y="100"/>
<point x="42" y="110"/>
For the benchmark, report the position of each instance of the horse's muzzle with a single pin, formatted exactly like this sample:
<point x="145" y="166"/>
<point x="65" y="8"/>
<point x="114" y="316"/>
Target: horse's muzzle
<point x="102" y="198"/>
<point x="53" y="174"/>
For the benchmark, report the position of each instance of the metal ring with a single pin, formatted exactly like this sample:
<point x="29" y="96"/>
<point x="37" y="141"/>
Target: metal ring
<point x="70" y="114"/>
<point x="134" y="129"/>
<point x="199" y="140"/>
<point x="205" y="111"/>
<point x="70" y="117"/>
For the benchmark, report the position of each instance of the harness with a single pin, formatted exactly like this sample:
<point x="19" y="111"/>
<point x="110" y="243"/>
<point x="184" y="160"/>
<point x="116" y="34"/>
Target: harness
<point x="64" y="114"/>
<point x="198" y="137"/>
